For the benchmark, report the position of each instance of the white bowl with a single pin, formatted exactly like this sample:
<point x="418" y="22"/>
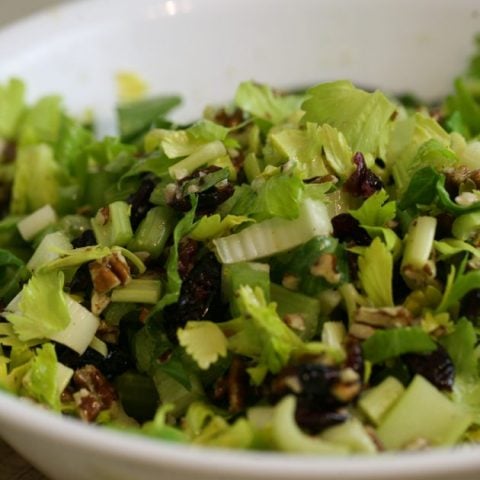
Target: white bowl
<point x="202" y="49"/>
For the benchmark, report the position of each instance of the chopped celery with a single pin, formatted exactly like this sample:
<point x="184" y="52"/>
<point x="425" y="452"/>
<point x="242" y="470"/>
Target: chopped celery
<point x="274" y="235"/>
<point x="153" y="232"/>
<point x="138" y="291"/>
<point x="49" y="249"/>
<point x="112" y="225"/>
<point x="298" y="311"/>
<point x="36" y="222"/>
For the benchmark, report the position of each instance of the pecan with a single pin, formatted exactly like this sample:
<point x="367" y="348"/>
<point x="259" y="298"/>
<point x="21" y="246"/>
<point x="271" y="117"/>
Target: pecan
<point x="368" y="320"/>
<point x="237" y="384"/>
<point x="99" y="302"/>
<point x="326" y="266"/>
<point x="109" y="272"/>
<point x="94" y="393"/>
<point x="295" y="321"/>
<point x="290" y="281"/>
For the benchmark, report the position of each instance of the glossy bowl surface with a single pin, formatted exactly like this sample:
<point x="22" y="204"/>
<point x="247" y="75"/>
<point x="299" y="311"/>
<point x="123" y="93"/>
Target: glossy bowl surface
<point x="202" y="49"/>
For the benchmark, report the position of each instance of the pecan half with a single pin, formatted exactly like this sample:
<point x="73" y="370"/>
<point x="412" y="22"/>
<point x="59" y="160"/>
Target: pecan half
<point x="109" y="272"/>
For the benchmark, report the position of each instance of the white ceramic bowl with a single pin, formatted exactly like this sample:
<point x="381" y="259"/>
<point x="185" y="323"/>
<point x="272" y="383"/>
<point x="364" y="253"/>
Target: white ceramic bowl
<point x="202" y="49"/>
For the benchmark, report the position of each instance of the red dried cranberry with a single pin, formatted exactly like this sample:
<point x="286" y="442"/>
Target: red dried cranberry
<point x="362" y="182"/>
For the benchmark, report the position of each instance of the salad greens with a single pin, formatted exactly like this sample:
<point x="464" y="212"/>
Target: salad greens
<point x="294" y="272"/>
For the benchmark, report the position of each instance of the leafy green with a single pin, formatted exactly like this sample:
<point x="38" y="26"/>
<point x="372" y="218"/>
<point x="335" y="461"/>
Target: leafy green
<point x="462" y="284"/>
<point x="12" y="106"/>
<point x="302" y="261"/>
<point x="385" y="344"/>
<point x="40" y="382"/>
<point x="422" y="188"/>
<point x="261" y="102"/>
<point x="375" y="271"/>
<point x="364" y="118"/>
<point x="260" y="333"/>
<point x="135" y="118"/>
<point x="42" y="308"/>
<point x="13" y="273"/>
<point x="203" y="341"/>
<point x="375" y="210"/>
<point x="465" y="104"/>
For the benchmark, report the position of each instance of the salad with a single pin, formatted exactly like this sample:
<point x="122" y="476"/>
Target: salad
<point x="295" y="272"/>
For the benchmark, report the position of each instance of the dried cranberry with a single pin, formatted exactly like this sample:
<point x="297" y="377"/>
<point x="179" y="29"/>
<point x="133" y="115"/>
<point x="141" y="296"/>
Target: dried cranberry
<point x="444" y="225"/>
<point x="437" y="367"/>
<point x="470" y="305"/>
<point x="228" y="119"/>
<point x="82" y="281"/>
<point x="187" y="254"/>
<point x="362" y="182"/>
<point x="140" y="201"/>
<point x="211" y="199"/>
<point x="86" y="239"/>
<point x="354" y="355"/>
<point x="347" y="229"/>
<point x="314" y="421"/>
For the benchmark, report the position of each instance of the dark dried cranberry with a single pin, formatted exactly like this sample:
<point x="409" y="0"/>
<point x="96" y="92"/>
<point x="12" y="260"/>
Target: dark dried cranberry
<point x="347" y="229"/>
<point x="362" y="182"/>
<point x="316" y="380"/>
<point x="437" y="367"/>
<point x="354" y="355"/>
<point x="9" y="152"/>
<point x="314" y="421"/>
<point x="470" y="305"/>
<point x="200" y="294"/>
<point x="187" y="254"/>
<point x="228" y="119"/>
<point x="211" y="199"/>
<point x="115" y="363"/>
<point x="140" y="201"/>
<point x="444" y="225"/>
<point x="82" y="281"/>
<point x="86" y="239"/>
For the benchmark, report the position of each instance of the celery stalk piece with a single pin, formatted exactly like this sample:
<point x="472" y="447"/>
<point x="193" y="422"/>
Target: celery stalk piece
<point x="297" y="310"/>
<point x="111" y="225"/>
<point x="377" y="401"/>
<point x="236" y="275"/>
<point x="36" y="222"/>
<point x="64" y="375"/>
<point x="138" y="291"/>
<point x="466" y="226"/>
<point x="351" y="434"/>
<point x="423" y="412"/>
<point x="153" y="232"/>
<point x="49" y="249"/>
<point x="251" y="167"/>
<point x="289" y="438"/>
<point x="334" y="334"/>
<point x="417" y="269"/>
<point x="81" y="329"/>
<point x="204" y="154"/>
<point x="275" y="235"/>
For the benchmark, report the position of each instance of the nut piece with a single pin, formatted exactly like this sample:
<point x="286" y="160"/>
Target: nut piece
<point x="295" y="321"/>
<point x="326" y="267"/>
<point x="368" y="319"/>
<point x="99" y="302"/>
<point x="95" y="392"/>
<point x="109" y="272"/>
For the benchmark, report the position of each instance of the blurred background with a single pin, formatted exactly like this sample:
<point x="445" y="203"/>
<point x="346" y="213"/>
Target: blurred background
<point x="11" y="10"/>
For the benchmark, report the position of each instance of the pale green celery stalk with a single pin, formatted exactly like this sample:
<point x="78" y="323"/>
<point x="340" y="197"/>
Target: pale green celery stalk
<point x="49" y="249"/>
<point x="275" y="235"/>
<point x="138" y="291"/>
<point x="251" y="167"/>
<point x="239" y="274"/>
<point x="204" y="154"/>
<point x="153" y="232"/>
<point x="417" y="269"/>
<point x="299" y="311"/>
<point x="111" y="225"/>
<point x="466" y="226"/>
<point x="36" y="222"/>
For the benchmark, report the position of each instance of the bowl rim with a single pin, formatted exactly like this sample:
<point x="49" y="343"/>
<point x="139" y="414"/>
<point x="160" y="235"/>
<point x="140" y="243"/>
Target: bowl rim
<point x="20" y="414"/>
<point x="23" y="414"/>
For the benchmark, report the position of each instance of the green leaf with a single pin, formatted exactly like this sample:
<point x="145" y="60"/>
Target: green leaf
<point x="445" y="202"/>
<point x="301" y="262"/>
<point x="375" y="270"/>
<point x="204" y="341"/>
<point x="462" y="284"/>
<point x="40" y="382"/>
<point x="262" y="103"/>
<point x="42" y="309"/>
<point x="433" y="153"/>
<point x="375" y="210"/>
<point x="421" y="189"/>
<point x="12" y="105"/>
<point x="364" y="118"/>
<point x="464" y="102"/>
<point x="13" y="273"/>
<point x="214" y="226"/>
<point x="260" y="333"/>
<point x="135" y="118"/>
<point x="385" y="344"/>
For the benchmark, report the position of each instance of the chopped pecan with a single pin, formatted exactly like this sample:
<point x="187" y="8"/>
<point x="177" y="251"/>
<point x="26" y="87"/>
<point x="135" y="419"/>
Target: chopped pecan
<point x="109" y="272"/>
<point x="295" y="321"/>
<point x="99" y="302"/>
<point x="238" y="383"/>
<point x="368" y="320"/>
<point x="326" y="266"/>
<point x="94" y="394"/>
<point x="290" y="281"/>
